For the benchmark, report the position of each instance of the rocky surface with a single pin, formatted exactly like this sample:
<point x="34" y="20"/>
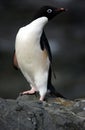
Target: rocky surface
<point x="27" y="113"/>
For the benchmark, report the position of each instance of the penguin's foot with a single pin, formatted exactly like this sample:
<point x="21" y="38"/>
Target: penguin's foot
<point x="42" y="98"/>
<point x="32" y="91"/>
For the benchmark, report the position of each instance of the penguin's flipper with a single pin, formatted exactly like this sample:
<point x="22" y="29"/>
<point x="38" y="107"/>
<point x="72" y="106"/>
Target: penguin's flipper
<point x="45" y="45"/>
<point x="15" y="63"/>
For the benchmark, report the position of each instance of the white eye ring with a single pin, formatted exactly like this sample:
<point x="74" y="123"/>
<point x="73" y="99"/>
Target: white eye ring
<point x="49" y="10"/>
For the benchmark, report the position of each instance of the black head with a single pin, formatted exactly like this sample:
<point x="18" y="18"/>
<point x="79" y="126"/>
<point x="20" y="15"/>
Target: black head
<point x="49" y="12"/>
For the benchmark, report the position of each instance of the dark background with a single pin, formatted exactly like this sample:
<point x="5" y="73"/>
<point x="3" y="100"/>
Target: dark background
<point x="66" y="35"/>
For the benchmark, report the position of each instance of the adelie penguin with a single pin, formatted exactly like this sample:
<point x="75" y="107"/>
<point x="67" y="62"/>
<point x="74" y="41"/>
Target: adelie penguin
<point x="33" y="55"/>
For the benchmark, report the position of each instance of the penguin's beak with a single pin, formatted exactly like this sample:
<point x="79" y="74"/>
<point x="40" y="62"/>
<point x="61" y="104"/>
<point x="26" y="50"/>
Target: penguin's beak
<point x="61" y="9"/>
<point x="58" y="10"/>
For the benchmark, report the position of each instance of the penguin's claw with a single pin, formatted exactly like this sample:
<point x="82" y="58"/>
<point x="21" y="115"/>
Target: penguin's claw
<point x="28" y="92"/>
<point x="42" y="98"/>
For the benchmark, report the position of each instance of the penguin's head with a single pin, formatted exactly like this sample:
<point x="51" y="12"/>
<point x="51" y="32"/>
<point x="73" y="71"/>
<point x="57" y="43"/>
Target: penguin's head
<point x="49" y="12"/>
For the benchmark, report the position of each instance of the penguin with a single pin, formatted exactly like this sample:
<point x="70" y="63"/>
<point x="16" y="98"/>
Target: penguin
<point x="33" y="54"/>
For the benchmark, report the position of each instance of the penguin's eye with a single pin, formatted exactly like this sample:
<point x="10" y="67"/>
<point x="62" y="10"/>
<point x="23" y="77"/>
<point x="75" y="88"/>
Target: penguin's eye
<point x="49" y="11"/>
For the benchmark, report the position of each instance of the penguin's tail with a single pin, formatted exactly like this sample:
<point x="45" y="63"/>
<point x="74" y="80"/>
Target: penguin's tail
<point x="53" y="91"/>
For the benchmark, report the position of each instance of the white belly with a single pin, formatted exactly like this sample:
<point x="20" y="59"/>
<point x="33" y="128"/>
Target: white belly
<point x="32" y="61"/>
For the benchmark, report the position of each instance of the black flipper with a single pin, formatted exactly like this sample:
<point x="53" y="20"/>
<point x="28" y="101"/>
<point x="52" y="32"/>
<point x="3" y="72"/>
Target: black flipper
<point x="45" y="45"/>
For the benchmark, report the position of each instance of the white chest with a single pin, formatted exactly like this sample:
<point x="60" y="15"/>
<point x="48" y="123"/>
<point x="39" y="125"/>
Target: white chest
<point x="28" y="41"/>
<point x="30" y="57"/>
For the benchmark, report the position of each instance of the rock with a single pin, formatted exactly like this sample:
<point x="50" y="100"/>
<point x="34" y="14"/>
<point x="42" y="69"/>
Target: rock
<point x="26" y="113"/>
